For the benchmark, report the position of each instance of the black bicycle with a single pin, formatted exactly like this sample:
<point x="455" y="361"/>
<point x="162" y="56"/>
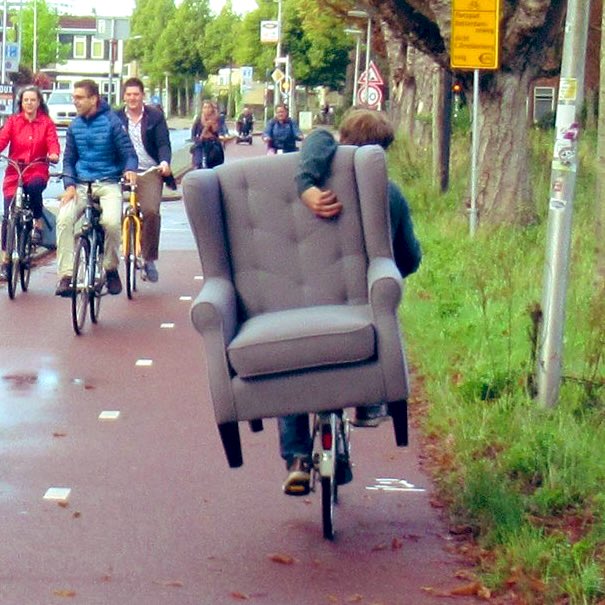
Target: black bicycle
<point x="88" y="277"/>
<point x="19" y="231"/>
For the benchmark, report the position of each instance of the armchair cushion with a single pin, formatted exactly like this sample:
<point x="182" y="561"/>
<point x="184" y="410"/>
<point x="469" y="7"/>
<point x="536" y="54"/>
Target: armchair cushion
<point x="297" y="339"/>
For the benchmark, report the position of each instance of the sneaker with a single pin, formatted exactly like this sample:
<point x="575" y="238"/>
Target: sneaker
<point x="114" y="284"/>
<point x="298" y="481"/>
<point x="369" y="415"/>
<point x="64" y="287"/>
<point x="36" y="236"/>
<point x="150" y="272"/>
<point x="4" y="272"/>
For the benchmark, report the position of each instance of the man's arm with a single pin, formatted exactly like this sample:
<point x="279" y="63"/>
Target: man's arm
<point x="162" y="141"/>
<point x="70" y="157"/>
<point x="316" y="157"/>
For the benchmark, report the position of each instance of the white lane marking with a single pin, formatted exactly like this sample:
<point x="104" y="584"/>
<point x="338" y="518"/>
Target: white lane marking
<point x="57" y="493"/>
<point x="388" y="484"/>
<point x="109" y="415"/>
<point x="199" y="277"/>
<point x="167" y="325"/>
<point x="185" y="298"/>
<point x="144" y="362"/>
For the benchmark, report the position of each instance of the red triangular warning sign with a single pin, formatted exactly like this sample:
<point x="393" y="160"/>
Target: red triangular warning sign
<point x="374" y="75"/>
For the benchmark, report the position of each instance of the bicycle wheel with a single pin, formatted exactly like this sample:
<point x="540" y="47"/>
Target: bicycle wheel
<point x="12" y="250"/>
<point x="96" y="280"/>
<point x="79" y="284"/>
<point x="25" y="256"/>
<point x="328" y="498"/>
<point x="328" y="436"/>
<point x="130" y="256"/>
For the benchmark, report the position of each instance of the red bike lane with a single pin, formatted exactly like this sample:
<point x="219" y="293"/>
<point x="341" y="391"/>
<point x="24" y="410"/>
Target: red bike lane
<point x="114" y="488"/>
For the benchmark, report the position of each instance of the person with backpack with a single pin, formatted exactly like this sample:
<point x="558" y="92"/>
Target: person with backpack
<point x="281" y="132"/>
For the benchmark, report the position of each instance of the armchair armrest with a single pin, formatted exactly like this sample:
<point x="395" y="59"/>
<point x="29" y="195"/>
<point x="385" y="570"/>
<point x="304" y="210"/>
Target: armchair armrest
<point x="384" y="285"/>
<point x="215" y="308"/>
<point x="214" y="315"/>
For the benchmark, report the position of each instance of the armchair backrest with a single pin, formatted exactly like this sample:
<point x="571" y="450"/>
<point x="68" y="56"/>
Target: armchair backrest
<point x="279" y="255"/>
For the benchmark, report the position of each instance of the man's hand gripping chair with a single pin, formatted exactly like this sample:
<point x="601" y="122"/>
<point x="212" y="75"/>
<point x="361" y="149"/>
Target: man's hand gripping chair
<point x="297" y="313"/>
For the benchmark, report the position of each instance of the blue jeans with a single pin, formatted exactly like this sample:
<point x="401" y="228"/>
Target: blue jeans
<point x="294" y="437"/>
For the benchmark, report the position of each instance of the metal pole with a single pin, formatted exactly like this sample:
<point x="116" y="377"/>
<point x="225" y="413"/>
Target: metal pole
<point x="4" y="42"/>
<point x="357" y="51"/>
<point x="35" y="48"/>
<point x="562" y="190"/>
<point x="111" y="60"/>
<point x="276" y="93"/>
<point x="475" y="153"/>
<point x="368" y="46"/>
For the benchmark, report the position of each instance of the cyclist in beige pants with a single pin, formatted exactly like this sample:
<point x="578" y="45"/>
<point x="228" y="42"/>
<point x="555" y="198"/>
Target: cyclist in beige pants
<point x="148" y="131"/>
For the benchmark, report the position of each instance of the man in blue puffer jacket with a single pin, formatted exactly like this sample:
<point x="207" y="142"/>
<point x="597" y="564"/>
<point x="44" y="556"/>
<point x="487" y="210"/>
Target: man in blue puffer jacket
<point x="97" y="148"/>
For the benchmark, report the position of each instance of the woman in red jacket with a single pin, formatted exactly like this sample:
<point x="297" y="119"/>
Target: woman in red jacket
<point x="30" y="135"/>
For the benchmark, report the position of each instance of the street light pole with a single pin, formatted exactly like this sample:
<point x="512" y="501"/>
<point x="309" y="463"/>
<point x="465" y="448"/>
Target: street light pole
<point x="361" y="14"/>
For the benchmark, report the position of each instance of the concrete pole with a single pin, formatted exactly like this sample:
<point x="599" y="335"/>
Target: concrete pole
<point x="562" y="190"/>
<point x="357" y="51"/>
<point x="276" y="92"/>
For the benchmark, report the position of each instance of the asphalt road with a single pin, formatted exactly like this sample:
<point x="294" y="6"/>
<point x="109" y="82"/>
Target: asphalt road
<point x="114" y="489"/>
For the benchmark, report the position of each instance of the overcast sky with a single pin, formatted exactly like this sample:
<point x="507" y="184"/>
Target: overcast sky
<point x="124" y="8"/>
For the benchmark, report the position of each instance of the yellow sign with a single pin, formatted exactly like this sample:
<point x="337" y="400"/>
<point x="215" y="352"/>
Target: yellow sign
<point x="278" y="75"/>
<point x="475" y="34"/>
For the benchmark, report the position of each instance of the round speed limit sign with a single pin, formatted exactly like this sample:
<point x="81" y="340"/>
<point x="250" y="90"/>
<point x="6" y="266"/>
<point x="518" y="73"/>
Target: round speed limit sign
<point x="374" y="95"/>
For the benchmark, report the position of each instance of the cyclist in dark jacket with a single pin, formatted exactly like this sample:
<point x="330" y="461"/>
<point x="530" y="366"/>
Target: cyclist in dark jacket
<point x="97" y="148"/>
<point x="147" y="128"/>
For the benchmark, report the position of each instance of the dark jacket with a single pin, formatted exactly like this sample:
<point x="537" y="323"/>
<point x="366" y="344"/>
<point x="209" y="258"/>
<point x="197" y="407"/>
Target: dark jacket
<point x="155" y="136"/>
<point x="314" y="169"/>
<point x="97" y="148"/>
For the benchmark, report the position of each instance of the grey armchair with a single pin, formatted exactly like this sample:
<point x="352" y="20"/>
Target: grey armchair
<point x="297" y="314"/>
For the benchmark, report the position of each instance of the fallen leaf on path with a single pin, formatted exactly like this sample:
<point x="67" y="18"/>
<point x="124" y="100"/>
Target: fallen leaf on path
<point x="64" y="593"/>
<point x="354" y="598"/>
<point x="169" y="583"/>
<point x="396" y="544"/>
<point x="77" y="514"/>
<point x="59" y="434"/>
<point x="281" y="558"/>
<point x="240" y="596"/>
<point x="382" y="546"/>
<point x="63" y="503"/>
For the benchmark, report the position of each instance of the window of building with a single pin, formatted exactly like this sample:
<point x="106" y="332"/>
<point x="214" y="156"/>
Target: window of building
<point x="97" y="50"/>
<point x="79" y="47"/>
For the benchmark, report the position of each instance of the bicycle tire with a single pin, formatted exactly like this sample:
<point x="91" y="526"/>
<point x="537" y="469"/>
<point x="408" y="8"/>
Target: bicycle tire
<point x="80" y="285"/>
<point x="130" y="257"/>
<point x="12" y="270"/>
<point x="328" y="491"/>
<point x="25" y="257"/>
<point x="96" y="279"/>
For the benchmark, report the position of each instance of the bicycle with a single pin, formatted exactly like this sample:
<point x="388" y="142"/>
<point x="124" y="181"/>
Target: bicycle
<point x="19" y="230"/>
<point x="330" y="461"/>
<point x="132" y="223"/>
<point x="88" y="277"/>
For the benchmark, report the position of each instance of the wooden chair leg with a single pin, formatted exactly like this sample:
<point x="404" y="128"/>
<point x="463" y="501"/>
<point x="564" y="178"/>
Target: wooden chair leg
<point x="256" y="425"/>
<point x="398" y="410"/>
<point x="229" y="432"/>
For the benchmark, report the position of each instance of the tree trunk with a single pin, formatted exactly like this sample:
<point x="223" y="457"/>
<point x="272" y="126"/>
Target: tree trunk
<point x="503" y="189"/>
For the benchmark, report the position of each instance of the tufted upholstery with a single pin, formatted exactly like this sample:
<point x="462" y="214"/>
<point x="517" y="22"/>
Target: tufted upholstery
<point x="297" y="313"/>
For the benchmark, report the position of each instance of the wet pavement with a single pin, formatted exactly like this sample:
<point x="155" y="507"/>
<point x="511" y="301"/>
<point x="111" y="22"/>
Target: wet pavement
<point x="114" y="489"/>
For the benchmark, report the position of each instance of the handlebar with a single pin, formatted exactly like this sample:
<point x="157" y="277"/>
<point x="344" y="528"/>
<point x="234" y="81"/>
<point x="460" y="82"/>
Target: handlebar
<point x="21" y="166"/>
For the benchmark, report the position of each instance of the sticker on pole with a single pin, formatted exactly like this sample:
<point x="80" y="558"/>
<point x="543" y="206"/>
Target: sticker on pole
<point x="475" y="34"/>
